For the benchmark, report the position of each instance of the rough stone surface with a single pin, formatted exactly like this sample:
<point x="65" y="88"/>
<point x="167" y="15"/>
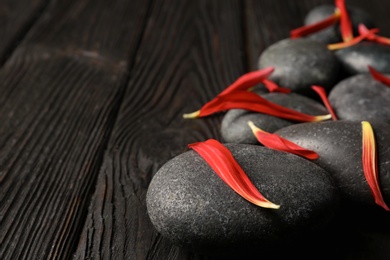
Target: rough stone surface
<point x="355" y="59"/>
<point x="301" y="63"/>
<point x="332" y="34"/>
<point x="361" y="97"/>
<point x="339" y="146"/>
<point x="234" y="126"/>
<point x="190" y="205"/>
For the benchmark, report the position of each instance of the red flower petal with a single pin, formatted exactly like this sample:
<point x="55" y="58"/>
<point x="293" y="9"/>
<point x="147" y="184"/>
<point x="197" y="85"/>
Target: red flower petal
<point x="248" y="80"/>
<point x="322" y="93"/>
<point x="226" y="167"/>
<point x="370" y="34"/>
<point x="370" y="163"/>
<point x="365" y="34"/>
<point x="315" y="27"/>
<point x="379" y="76"/>
<point x="252" y="102"/>
<point x="273" y="87"/>
<point x="336" y="46"/>
<point x="383" y="40"/>
<point x="276" y="142"/>
<point x="345" y="21"/>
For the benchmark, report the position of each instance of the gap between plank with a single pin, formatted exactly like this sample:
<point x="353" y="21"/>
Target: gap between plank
<point x="113" y="116"/>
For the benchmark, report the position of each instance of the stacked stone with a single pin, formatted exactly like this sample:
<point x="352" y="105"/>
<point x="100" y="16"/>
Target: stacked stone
<point x="194" y="208"/>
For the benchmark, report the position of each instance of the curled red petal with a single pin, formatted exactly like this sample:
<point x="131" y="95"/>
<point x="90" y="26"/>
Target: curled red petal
<point x="322" y="93"/>
<point x="273" y="87"/>
<point x="370" y="163"/>
<point x="249" y="80"/>
<point x="253" y="102"/>
<point x="345" y="21"/>
<point x="227" y="168"/>
<point x="379" y="76"/>
<point x="276" y="142"/>
<point x="315" y="27"/>
<point x="370" y="34"/>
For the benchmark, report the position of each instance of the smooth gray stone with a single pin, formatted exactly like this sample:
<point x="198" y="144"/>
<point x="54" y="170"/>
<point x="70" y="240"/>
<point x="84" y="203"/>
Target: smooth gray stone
<point x="339" y="146"/>
<point x="301" y="63"/>
<point x="361" y="97"/>
<point x="235" y="129"/>
<point x="192" y="207"/>
<point x="332" y="34"/>
<point x="355" y="59"/>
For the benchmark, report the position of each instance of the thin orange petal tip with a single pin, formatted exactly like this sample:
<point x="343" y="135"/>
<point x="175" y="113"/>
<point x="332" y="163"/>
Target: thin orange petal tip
<point x="268" y="205"/>
<point x="322" y="118"/>
<point x="253" y="127"/>
<point x="192" y="115"/>
<point x="342" y="45"/>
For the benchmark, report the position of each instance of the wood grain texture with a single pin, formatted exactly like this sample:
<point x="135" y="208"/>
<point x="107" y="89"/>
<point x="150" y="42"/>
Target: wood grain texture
<point x="106" y="30"/>
<point x="57" y="109"/>
<point x="16" y="19"/>
<point x="190" y="51"/>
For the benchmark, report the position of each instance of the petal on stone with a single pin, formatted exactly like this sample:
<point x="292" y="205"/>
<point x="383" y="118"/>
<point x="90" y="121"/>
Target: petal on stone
<point x="274" y="141"/>
<point x="249" y="80"/>
<point x="370" y="163"/>
<point x="322" y="93"/>
<point x="341" y="45"/>
<point x="273" y="87"/>
<point x="372" y="35"/>
<point x="369" y="33"/>
<point x="383" y="40"/>
<point x="345" y="21"/>
<point x="315" y="27"/>
<point x="379" y="76"/>
<point x="244" y="82"/>
<point x="227" y="168"/>
<point x="253" y="102"/>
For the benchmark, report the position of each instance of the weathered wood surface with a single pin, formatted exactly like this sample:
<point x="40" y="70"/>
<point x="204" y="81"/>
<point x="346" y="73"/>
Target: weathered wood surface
<point x="91" y="98"/>
<point x="16" y="19"/>
<point x="59" y="96"/>
<point x="187" y="55"/>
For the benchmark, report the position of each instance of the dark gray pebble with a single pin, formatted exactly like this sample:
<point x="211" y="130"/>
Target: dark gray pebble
<point x="332" y="34"/>
<point x="361" y="97"/>
<point x="301" y="63"/>
<point x="234" y="126"/>
<point x="355" y="59"/>
<point x="191" y="206"/>
<point x="339" y="146"/>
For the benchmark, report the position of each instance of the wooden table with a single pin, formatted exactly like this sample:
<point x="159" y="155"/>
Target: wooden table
<point x="92" y="94"/>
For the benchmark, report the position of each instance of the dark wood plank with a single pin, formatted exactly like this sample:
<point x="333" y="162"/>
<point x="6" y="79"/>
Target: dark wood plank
<point x="191" y="50"/>
<point x="16" y="19"/>
<point x="105" y="30"/>
<point x="58" y="104"/>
